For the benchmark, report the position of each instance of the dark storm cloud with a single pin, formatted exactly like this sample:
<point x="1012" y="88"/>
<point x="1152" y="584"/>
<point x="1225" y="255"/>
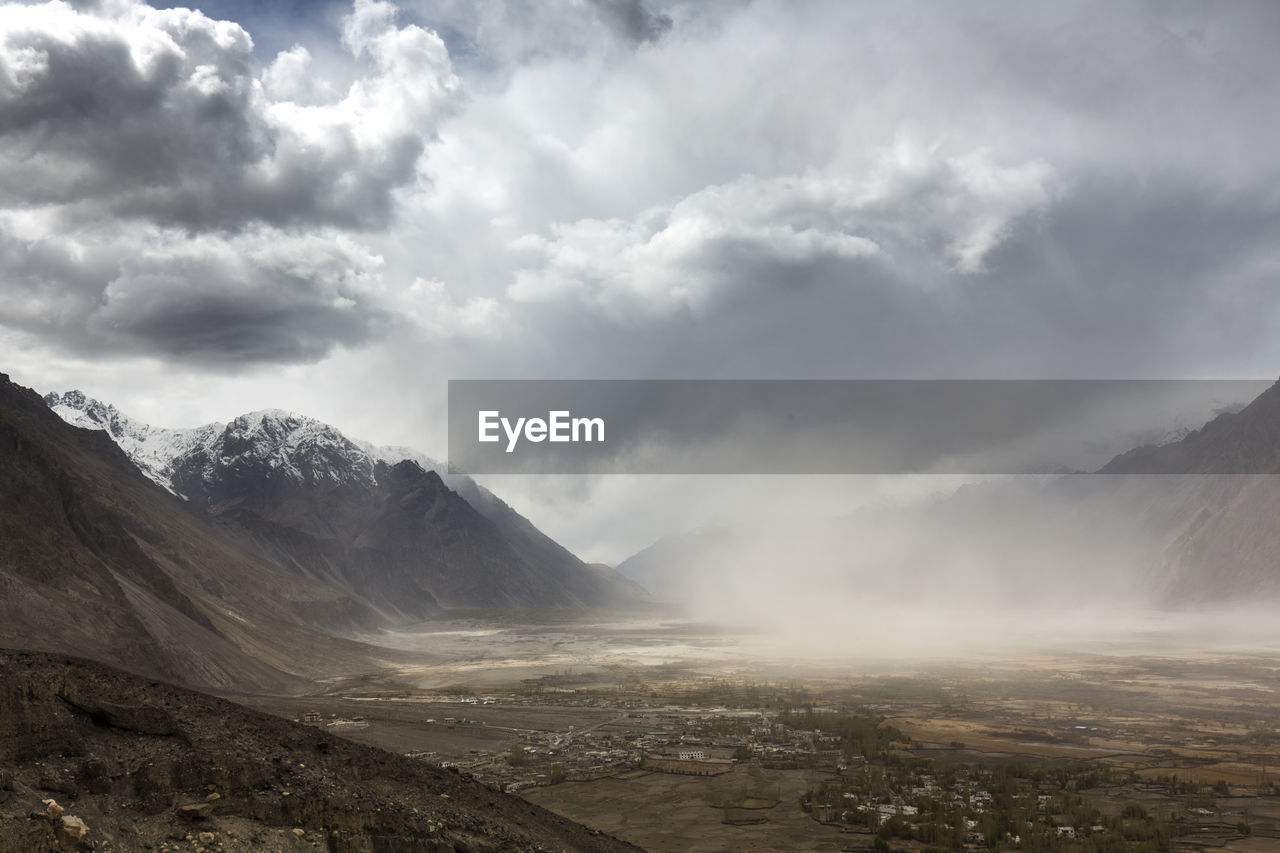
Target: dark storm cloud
<point x="92" y="125"/>
<point x="162" y="194"/>
<point x="205" y="302"/>
<point x="213" y="328"/>
<point x="160" y="115"/>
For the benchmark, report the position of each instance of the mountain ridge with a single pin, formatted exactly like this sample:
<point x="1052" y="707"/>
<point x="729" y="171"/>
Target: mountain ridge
<point x="335" y="509"/>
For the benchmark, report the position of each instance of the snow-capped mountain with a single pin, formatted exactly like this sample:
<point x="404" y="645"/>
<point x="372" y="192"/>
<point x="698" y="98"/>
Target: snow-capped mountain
<point x="284" y="443"/>
<point x="298" y="446"/>
<point x="385" y="523"/>
<point x="98" y="561"/>
<point x="152" y="449"/>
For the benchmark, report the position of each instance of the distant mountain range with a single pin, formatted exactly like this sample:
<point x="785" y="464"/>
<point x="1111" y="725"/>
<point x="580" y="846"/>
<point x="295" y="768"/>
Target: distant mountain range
<point x="1205" y="530"/>
<point x="239" y="555"/>
<point x="236" y="556"/>
<point x="381" y="523"/>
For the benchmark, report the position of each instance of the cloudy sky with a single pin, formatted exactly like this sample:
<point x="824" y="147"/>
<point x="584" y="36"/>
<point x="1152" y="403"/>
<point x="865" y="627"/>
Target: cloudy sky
<point x="335" y="208"/>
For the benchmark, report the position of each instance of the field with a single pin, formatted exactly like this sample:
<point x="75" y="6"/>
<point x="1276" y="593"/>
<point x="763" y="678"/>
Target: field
<point x="1170" y="744"/>
<point x="672" y="812"/>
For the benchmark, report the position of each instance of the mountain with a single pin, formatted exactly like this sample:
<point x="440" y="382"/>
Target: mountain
<point x="1213" y="510"/>
<point x="668" y="567"/>
<point x="1246" y="442"/>
<point x="142" y="765"/>
<point x="96" y="559"/>
<point x="378" y="523"/>
<point x="152" y="449"/>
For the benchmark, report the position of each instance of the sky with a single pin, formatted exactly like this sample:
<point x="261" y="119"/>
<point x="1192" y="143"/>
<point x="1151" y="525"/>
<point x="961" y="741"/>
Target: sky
<point x="335" y="208"/>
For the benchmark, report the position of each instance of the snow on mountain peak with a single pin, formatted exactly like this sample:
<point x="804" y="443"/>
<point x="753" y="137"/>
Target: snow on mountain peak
<point x="87" y="413"/>
<point x="283" y="442"/>
<point x="267" y="417"/>
<point x="298" y="446"/>
<point x="394" y="454"/>
<point x="153" y="449"/>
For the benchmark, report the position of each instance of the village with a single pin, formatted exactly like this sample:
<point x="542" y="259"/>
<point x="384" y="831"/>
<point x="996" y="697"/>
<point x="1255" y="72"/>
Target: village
<point x="863" y="774"/>
<point x="519" y="751"/>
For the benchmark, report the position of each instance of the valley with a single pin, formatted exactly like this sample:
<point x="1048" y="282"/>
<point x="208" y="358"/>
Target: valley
<point x="839" y="685"/>
<point x="678" y="745"/>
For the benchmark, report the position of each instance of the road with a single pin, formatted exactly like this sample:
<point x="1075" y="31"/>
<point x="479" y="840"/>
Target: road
<point x="568" y="737"/>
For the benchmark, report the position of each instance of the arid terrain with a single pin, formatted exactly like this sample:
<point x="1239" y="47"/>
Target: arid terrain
<point x="92" y="758"/>
<point x="688" y="745"/>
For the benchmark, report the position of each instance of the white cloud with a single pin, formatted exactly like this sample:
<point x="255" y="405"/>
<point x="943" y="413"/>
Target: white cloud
<point x="680" y="257"/>
<point x="428" y="304"/>
<point x="292" y="77"/>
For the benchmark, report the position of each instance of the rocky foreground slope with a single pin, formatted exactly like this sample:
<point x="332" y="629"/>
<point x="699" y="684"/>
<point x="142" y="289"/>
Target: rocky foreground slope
<point x="95" y="560"/>
<point x="94" y="759"/>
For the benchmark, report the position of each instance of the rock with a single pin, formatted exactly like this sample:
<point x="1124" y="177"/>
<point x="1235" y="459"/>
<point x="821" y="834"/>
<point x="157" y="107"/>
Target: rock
<point x="213" y="798"/>
<point x="196" y="811"/>
<point x="52" y="808"/>
<point x="299" y="832"/>
<point x="59" y="784"/>
<point x="143" y="719"/>
<point x="95" y="775"/>
<point x="207" y="838"/>
<point x="72" y="829"/>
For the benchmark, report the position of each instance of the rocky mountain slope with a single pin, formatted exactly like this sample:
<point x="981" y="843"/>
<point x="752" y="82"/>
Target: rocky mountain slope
<point x="92" y="758"/>
<point x="152" y="449"/>
<point x="378" y="523"/>
<point x="94" y="559"/>
<point x="1211" y="503"/>
<point x="1246" y="442"/>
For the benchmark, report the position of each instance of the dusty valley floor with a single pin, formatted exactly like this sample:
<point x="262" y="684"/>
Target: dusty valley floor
<point x="678" y="738"/>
